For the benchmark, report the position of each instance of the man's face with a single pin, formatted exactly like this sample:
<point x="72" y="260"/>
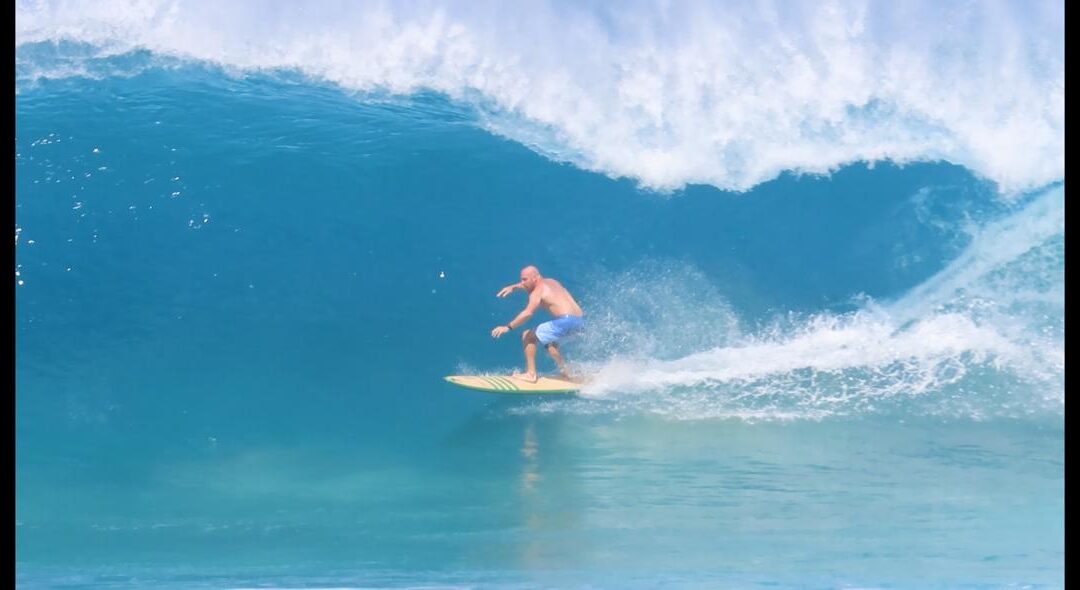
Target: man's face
<point x="529" y="281"/>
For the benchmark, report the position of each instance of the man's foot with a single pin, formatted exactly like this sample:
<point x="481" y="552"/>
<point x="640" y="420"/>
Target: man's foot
<point x="568" y="377"/>
<point x="530" y="377"/>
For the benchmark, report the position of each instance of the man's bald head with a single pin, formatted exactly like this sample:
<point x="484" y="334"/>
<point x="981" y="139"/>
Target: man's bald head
<point x="530" y="277"/>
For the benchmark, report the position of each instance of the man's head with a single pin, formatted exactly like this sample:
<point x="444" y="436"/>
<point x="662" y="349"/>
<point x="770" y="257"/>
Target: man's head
<point x="530" y="278"/>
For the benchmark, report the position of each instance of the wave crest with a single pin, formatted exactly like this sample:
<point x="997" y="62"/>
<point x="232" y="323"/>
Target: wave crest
<point x="729" y="94"/>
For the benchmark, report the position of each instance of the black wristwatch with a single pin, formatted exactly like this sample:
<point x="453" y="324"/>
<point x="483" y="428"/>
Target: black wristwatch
<point x="509" y="328"/>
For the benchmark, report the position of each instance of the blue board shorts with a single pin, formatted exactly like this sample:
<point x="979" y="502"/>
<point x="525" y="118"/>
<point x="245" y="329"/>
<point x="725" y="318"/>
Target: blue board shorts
<point x="559" y="329"/>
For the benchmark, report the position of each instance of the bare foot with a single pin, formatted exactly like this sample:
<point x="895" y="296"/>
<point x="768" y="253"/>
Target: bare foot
<point x="530" y="377"/>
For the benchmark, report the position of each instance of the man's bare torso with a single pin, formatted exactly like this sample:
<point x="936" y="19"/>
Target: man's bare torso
<point x="556" y="299"/>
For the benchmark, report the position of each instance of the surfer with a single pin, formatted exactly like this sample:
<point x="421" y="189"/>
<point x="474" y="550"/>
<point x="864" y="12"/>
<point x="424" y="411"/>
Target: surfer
<point x="552" y="296"/>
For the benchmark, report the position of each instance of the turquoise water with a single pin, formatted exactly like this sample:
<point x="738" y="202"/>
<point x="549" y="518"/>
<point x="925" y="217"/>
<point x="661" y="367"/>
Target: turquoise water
<point x="241" y="274"/>
<point x="557" y="501"/>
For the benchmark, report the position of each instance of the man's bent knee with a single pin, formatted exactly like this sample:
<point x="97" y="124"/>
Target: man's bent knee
<point x="528" y="336"/>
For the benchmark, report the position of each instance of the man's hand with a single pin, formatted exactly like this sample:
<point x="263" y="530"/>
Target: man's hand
<point x="499" y="331"/>
<point x="506" y="290"/>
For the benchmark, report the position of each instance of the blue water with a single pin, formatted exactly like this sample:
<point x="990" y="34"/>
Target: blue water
<point x="242" y="274"/>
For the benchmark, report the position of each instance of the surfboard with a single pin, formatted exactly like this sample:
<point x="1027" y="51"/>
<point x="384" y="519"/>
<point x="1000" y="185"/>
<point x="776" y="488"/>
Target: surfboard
<point x="510" y="385"/>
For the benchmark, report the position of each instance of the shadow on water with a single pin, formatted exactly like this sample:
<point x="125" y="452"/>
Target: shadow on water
<point x="530" y="466"/>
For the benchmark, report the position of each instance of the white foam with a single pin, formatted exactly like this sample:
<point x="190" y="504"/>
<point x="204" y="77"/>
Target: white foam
<point x="826" y="344"/>
<point x="729" y="94"/>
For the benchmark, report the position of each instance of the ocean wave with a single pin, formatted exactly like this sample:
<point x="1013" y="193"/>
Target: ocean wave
<point x="726" y="94"/>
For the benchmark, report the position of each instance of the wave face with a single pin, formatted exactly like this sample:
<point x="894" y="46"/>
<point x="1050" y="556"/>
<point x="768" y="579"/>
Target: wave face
<point x="182" y="203"/>
<point x="728" y="94"/>
<point x="250" y="242"/>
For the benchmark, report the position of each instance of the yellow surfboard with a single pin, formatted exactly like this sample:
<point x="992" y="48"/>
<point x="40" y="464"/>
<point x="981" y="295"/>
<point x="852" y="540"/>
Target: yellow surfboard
<point x="512" y="385"/>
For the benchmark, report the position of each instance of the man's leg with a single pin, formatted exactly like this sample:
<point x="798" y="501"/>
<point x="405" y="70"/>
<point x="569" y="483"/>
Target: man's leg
<point x="553" y="350"/>
<point x="528" y="340"/>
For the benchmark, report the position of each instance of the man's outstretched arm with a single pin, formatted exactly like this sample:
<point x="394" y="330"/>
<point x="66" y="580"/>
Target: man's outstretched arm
<point x="521" y="318"/>
<point x="508" y="289"/>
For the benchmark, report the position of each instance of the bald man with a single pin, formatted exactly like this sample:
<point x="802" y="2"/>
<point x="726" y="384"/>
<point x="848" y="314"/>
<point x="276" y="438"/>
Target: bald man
<point x="553" y="297"/>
